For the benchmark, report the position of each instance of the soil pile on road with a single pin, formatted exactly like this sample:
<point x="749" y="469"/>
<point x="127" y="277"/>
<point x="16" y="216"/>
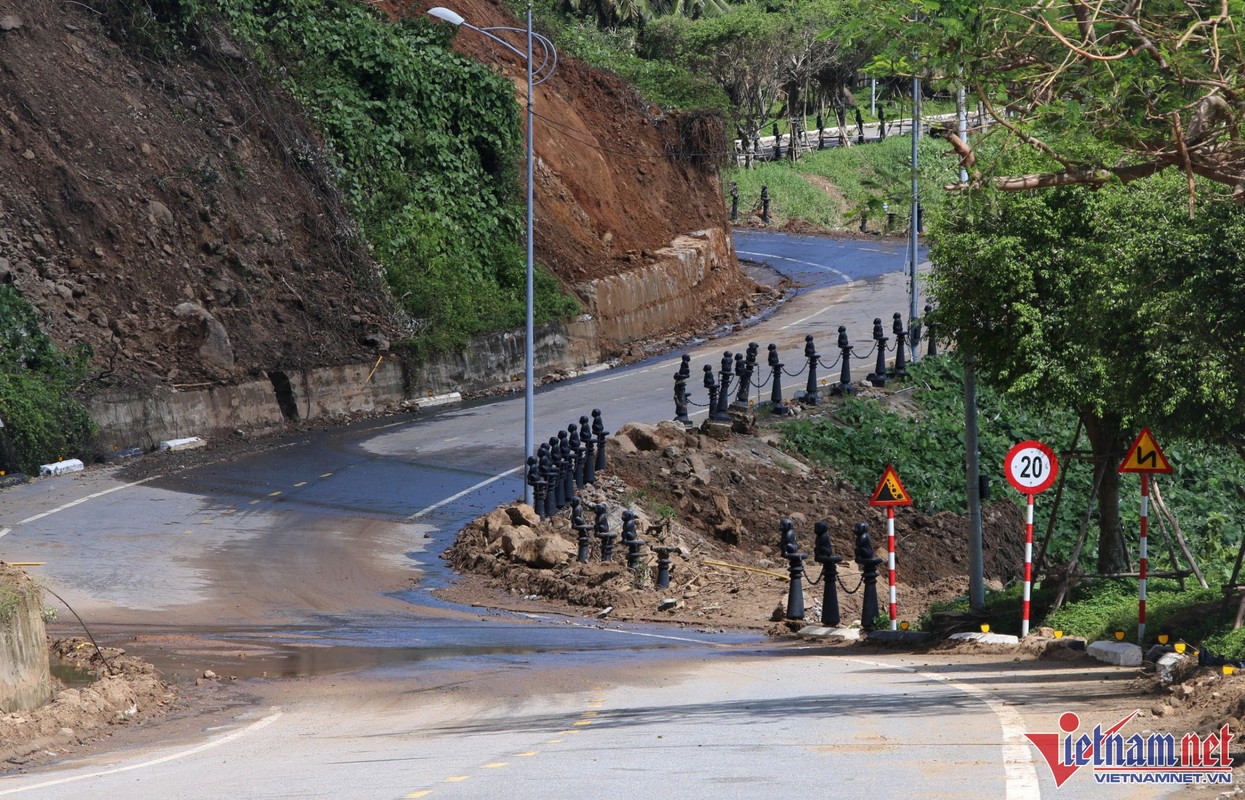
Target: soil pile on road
<point x="718" y="499"/>
<point x="117" y="690"/>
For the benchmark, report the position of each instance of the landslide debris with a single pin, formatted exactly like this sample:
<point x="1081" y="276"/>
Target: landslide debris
<point x="719" y="501"/>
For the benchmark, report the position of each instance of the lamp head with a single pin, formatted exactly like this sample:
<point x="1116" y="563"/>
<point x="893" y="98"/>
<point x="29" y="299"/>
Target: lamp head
<point x="446" y="15"/>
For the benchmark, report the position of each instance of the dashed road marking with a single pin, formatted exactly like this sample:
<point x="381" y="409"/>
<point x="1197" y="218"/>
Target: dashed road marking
<point x="274" y="494"/>
<point x="554" y="741"/>
<point x="456" y="779"/>
<point x="496" y="765"/>
<point x="416" y="795"/>
<point x="327" y="475"/>
<point x="300" y="483"/>
<point x="583" y="722"/>
<point x="528" y="754"/>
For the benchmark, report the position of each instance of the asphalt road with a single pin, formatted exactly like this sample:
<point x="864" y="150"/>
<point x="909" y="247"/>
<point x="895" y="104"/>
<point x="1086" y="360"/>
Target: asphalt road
<point x="280" y="553"/>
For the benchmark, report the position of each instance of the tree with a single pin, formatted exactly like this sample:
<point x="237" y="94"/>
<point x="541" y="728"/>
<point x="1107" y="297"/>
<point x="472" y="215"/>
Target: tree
<point x="1159" y="81"/>
<point x="1113" y="302"/>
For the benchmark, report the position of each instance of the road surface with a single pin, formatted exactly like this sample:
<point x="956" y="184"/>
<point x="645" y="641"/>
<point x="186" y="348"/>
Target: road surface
<point x="280" y="554"/>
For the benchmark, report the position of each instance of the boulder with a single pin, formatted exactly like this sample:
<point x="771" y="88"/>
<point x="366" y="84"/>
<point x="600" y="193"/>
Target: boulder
<point x="496" y="520"/>
<point x="214" y="347"/>
<point x="647" y="438"/>
<point x="523" y="514"/>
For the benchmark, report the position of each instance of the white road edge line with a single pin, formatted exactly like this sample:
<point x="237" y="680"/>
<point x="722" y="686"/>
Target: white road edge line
<point x="82" y="500"/>
<point x="254" y="726"/>
<point x="827" y="268"/>
<point x="463" y="493"/>
<point x="1022" y="778"/>
<point x="640" y="633"/>
<point x="3" y="531"/>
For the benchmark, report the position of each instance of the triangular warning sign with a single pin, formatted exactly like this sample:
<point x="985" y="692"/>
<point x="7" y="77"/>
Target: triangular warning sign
<point x="890" y="491"/>
<point x="1145" y="456"/>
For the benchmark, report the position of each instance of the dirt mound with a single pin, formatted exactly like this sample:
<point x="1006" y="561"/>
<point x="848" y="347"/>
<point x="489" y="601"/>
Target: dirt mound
<point x="118" y="690"/>
<point x="720" y="502"/>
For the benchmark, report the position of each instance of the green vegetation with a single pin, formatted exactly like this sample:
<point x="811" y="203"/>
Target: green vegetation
<point x="39" y="392"/>
<point x="926" y="444"/>
<point x="15" y="591"/>
<point x="424" y="144"/>
<point x="864" y="177"/>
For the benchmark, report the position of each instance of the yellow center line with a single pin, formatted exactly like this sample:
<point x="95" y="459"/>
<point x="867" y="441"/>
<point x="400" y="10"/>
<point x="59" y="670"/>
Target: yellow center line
<point x="496" y="765"/>
<point x="274" y="494"/>
<point x="421" y="793"/>
<point x="584" y="722"/>
<point x="528" y="754"/>
<point x="254" y="502"/>
<point x="457" y="779"/>
<point x="554" y="741"/>
<point x="300" y="483"/>
<point x="588" y="714"/>
<point x="327" y="475"/>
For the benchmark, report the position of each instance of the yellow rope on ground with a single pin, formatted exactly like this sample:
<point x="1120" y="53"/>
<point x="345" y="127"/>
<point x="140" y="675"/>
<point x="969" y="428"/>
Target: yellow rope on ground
<point x="749" y="569"/>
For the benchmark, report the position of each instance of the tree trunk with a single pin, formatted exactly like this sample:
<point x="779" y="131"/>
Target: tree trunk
<point x="1107" y="442"/>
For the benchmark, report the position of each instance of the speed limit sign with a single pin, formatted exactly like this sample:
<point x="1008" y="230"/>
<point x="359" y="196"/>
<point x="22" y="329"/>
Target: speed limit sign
<point x="1031" y="467"/>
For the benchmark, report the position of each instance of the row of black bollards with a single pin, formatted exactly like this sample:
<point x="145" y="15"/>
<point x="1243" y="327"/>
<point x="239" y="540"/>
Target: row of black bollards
<point x="823" y="553"/>
<point x="735" y="375"/>
<point x="566" y="463"/>
<point x="600" y="529"/>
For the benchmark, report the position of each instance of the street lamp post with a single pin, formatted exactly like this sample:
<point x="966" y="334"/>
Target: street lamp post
<point x="536" y="75"/>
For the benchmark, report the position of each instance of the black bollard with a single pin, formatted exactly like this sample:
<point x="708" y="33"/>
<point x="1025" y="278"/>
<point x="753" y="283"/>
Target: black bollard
<point x="860" y="127"/>
<point x="811" y="396"/>
<point x="745" y="366"/>
<point x="583" y="529"/>
<point x="740" y="386"/>
<point x="631" y="539"/>
<point x="568" y="468"/>
<point x="775" y="395"/>
<point x="577" y="455"/>
<point x="547" y="472"/>
<point x="878" y="376"/>
<point x="777" y="143"/>
<point x="869" y="575"/>
<point x="734" y="201"/>
<point x="663" y="565"/>
<point x="538" y="485"/>
<point x="881" y="123"/>
<point x="724" y="390"/>
<point x="844" y="386"/>
<point x="557" y="483"/>
<point x="681" y="396"/>
<point x="599" y="431"/>
<point x="711" y="385"/>
<point x="823" y="553"/>
<point x="764" y="205"/>
<point x="601" y="529"/>
<point x="786" y="537"/>
<point x="929" y="334"/>
<point x="795" y="567"/>
<point x="821" y="140"/>
<point x="900" y="370"/>
<point x="590" y="447"/>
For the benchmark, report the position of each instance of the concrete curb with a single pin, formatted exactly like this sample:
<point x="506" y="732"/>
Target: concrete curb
<point x="432" y="401"/>
<point x="175" y="445"/>
<point x="62" y="467"/>
<point x="900" y="637"/>
<point x="985" y="638"/>
<point x="834" y="634"/>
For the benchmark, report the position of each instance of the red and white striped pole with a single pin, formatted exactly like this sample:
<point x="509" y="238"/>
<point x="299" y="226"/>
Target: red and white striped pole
<point x="1024" y="623"/>
<point x="1141" y="582"/>
<point x="890" y="552"/>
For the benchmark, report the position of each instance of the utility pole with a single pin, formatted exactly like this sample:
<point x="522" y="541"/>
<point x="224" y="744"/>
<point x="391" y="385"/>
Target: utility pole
<point x="913" y="313"/>
<point x="972" y="481"/>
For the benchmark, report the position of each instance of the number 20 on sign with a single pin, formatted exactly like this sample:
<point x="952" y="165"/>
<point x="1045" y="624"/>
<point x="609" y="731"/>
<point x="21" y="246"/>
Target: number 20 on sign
<point x="1031" y="467"/>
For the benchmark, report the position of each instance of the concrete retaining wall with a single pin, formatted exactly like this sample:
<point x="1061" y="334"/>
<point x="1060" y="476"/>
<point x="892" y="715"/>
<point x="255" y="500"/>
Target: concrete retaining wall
<point x="665" y="295"/>
<point x="25" y="676"/>
<point x="134" y="419"/>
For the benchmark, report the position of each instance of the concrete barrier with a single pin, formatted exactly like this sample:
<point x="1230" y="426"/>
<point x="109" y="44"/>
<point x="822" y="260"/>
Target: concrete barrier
<point x="61" y="467"/>
<point x="1124" y="654"/>
<point x="25" y="677"/>
<point x="175" y="445"/>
